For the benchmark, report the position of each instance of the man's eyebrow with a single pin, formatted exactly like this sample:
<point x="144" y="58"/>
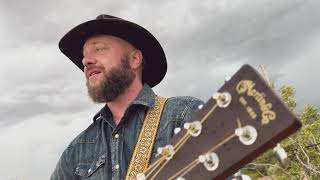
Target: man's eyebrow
<point x="98" y="42"/>
<point x="93" y="43"/>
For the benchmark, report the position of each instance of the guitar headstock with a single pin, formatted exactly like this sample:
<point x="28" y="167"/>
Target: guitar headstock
<point x="235" y="126"/>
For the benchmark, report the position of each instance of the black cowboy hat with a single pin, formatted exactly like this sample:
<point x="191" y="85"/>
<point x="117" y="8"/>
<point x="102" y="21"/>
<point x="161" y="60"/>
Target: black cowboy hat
<point x="155" y="65"/>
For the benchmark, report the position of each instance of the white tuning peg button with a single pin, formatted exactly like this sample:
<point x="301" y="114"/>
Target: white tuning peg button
<point x="227" y="79"/>
<point x="281" y="155"/>
<point x="177" y="130"/>
<point x="180" y="178"/>
<point x="223" y="99"/>
<point x="193" y="128"/>
<point x="141" y="176"/>
<point x="210" y="161"/>
<point x="247" y="134"/>
<point x="166" y="151"/>
<point x="240" y="176"/>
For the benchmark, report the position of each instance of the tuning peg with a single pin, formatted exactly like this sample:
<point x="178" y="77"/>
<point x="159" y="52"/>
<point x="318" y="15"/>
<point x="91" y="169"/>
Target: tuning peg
<point x="281" y="155"/>
<point x="180" y="178"/>
<point x="247" y="134"/>
<point x="200" y="106"/>
<point x="141" y="176"/>
<point x="166" y="151"/>
<point x="193" y="128"/>
<point x="176" y="130"/>
<point x="227" y="79"/>
<point x="210" y="161"/>
<point x="223" y="99"/>
<point x="239" y="176"/>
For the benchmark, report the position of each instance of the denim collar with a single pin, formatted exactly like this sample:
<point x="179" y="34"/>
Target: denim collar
<point x="146" y="97"/>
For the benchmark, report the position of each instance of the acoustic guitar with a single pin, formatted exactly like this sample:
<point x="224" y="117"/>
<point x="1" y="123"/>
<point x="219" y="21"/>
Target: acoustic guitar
<point x="236" y="125"/>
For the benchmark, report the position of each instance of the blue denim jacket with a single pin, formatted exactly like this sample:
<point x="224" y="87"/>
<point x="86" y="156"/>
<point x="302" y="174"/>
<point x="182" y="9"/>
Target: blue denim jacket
<point x="103" y="151"/>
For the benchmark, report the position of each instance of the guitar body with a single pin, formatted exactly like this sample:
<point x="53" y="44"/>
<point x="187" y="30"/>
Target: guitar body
<point x="253" y="103"/>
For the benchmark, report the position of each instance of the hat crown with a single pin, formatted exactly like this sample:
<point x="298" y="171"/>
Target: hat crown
<point x="105" y="16"/>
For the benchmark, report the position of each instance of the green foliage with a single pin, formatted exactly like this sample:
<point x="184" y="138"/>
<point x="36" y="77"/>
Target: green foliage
<point x="309" y="114"/>
<point x="287" y="93"/>
<point x="303" y="147"/>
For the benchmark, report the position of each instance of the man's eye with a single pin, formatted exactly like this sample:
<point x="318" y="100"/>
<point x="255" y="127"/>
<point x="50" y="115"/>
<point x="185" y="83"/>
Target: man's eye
<point x="100" y="49"/>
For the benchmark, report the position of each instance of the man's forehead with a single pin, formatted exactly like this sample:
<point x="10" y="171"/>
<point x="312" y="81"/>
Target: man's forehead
<point x="98" y="39"/>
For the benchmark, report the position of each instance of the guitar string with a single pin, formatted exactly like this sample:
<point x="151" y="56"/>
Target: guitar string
<point x="206" y="116"/>
<point x="239" y="123"/>
<point x="189" y="169"/>
<point x="157" y="172"/>
<point x="185" y="168"/>
<point x="178" y="146"/>
<point x="154" y="166"/>
<point x="184" y="139"/>
<point x="222" y="143"/>
<point x="155" y="163"/>
<point x="211" y="150"/>
<point x="180" y="143"/>
<point x="187" y="135"/>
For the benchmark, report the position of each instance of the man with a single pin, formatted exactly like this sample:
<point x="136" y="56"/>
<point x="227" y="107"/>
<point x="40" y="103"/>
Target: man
<point x="122" y="61"/>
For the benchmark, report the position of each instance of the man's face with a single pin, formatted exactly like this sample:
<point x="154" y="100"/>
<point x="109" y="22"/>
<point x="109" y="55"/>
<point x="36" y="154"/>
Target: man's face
<point x="107" y="67"/>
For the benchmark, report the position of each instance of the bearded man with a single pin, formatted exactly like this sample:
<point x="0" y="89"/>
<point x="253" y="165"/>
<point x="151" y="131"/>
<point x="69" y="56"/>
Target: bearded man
<point x="121" y="61"/>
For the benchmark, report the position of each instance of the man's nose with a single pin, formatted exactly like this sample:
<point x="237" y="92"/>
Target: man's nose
<point x="87" y="60"/>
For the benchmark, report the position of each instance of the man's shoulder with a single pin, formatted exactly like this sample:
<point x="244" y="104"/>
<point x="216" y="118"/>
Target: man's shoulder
<point x="176" y="112"/>
<point x="183" y="102"/>
<point x="179" y="107"/>
<point x="88" y="135"/>
<point x="183" y="99"/>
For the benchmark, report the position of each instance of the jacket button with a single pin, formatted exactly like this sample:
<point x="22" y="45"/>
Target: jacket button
<point x="116" y="136"/>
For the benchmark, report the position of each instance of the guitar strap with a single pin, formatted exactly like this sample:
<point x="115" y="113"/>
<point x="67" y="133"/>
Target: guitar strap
<point x="142" y="152"/>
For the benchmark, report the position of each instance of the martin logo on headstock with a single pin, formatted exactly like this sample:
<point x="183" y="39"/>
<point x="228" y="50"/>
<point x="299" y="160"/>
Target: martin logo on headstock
<point x="240" y="122"/>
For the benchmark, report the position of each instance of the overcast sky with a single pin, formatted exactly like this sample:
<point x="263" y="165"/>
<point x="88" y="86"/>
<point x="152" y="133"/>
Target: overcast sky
<point x="43" y="99"/>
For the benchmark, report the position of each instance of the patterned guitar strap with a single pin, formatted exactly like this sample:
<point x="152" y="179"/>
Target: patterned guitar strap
<point x="142" y="152"/>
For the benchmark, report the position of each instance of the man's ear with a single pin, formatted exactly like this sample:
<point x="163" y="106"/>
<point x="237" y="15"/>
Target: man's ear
<point x="136" y="59"/>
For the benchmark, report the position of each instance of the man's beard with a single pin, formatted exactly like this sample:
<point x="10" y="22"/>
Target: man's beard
<point x="113" y="83"/>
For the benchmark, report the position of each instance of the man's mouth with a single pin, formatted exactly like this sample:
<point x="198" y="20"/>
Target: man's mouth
<point x="93" y="73"/>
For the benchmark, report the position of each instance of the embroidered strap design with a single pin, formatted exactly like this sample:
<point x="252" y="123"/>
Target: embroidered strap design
<point x="142" y="152"/>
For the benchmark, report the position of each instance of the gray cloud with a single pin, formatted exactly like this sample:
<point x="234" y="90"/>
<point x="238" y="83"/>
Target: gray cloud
<point x="43" y="101"/>
<point x="37" y="99"/>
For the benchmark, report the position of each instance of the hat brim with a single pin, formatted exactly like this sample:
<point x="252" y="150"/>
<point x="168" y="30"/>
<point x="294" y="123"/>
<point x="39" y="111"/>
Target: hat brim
<point x="155" y="66"/>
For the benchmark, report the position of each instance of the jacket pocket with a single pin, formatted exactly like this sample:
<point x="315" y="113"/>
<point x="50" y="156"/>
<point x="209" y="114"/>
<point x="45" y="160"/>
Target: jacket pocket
<point x="87" y="169"/>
